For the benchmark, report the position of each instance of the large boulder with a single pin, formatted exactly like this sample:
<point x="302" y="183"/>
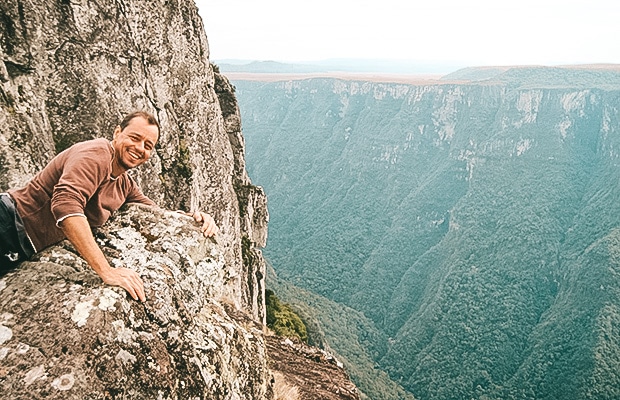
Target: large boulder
<point x="66" y="335"/>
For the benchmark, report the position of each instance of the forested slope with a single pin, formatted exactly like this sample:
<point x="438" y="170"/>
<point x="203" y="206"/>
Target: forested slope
<point x="475" y="225"/>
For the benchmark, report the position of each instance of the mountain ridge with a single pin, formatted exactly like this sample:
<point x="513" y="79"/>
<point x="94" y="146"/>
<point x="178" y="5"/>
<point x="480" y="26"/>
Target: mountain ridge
<point x="604" y="76"/>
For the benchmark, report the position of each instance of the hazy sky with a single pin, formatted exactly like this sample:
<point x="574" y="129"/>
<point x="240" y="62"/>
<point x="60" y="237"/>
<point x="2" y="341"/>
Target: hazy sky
<point x="472" y="32"/>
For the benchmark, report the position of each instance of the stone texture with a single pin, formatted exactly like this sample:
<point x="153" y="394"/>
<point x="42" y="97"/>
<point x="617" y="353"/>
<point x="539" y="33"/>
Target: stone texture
<point x="310" y="372"/>
<point x="64" y="335"/>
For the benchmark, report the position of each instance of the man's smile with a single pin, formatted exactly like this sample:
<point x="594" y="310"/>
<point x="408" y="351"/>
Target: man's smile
<point x="136" y="156"/>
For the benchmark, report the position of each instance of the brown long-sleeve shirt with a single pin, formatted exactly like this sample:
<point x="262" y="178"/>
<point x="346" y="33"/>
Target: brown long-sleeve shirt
<point x="76" y="182"/>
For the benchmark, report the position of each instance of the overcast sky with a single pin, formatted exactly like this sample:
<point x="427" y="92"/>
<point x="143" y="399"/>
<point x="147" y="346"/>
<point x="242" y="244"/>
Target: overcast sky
<point x="471" y="32"/>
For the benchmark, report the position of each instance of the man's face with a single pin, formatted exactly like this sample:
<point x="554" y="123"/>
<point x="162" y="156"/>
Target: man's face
<point x="134" y="144"/>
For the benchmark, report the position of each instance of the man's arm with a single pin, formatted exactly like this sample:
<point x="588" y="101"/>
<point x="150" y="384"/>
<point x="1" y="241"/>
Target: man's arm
<point x="78" y="232"/>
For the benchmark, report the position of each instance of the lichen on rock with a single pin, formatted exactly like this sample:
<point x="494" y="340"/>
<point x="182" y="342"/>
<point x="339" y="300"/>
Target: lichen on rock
<point x="64" y="334"/>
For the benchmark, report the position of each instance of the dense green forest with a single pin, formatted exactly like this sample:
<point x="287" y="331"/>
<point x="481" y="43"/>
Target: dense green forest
<point x="457" y="240"/>
<point x="282" y="319"/>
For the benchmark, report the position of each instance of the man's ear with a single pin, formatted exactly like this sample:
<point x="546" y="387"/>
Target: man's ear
<point x="117" y="131"/>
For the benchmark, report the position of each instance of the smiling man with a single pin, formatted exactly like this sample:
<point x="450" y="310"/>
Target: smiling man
<point x="79" y="189"/>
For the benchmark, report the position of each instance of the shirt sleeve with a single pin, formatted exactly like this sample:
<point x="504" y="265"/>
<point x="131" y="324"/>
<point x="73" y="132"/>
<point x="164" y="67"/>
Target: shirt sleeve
<point x="82" y="174"/>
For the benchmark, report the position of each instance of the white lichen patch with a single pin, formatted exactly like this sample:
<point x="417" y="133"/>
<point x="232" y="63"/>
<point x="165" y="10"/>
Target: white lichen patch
<point x="6" y="334"/>
<point x="108" y="299"/>
<point x="68" y="257"/>
<point x="133" y="321"/>
<point x="125" y="357"/>
<point x="64" y="382"/>
<point x="146" y="335"/>
<point x="209" y="271"/>
<point x="124" y="334"/>
<point x="75" y="287"/>
<point x="173" y="334"/>
<point x="5" y="317"/>
<point x="152" y="364"/>
<point x="128" y="238"/>
<point x="82" y="312"/>
<point x="34" y="374"/>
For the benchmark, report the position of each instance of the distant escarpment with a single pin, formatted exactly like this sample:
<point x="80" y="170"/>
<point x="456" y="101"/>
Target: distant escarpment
<point x="462" y="237"/>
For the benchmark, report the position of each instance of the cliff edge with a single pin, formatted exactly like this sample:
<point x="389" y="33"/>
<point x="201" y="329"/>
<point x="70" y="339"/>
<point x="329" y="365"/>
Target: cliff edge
<point x="69" y="71"/>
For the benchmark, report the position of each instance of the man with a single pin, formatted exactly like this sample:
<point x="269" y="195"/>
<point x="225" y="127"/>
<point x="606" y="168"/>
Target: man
<point x="79" y="189"/>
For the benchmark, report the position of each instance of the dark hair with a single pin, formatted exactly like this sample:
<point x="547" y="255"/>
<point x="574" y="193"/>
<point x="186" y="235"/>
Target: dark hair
<point x="150" y="118"/>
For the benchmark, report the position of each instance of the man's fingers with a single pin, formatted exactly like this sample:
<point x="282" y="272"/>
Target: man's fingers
<point x="140" y="291"/>
<point x="128" y="280"/>
<point x="137" y="288"/>
<point x="209" y="227"/>
<point x="209" y="230"/>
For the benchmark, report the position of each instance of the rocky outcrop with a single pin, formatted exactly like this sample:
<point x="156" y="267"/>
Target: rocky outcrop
<point x="64" y="335"/>
<point x="70" y="70"/>
<point x="303" y="372"/>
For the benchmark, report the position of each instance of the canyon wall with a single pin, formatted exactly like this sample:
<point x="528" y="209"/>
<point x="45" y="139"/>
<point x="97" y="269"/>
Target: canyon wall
<point x="464" y="233"/>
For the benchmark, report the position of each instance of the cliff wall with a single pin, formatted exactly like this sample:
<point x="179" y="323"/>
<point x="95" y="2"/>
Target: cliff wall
<point x="69" y="71"/>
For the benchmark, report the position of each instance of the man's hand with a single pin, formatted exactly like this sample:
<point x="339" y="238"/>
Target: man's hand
<point x="78" y="231"/>
<point x="127" y="279"/>
<point x="209" y="228"/>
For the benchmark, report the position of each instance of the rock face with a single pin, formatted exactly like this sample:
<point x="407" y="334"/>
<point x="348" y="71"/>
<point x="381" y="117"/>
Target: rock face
<point x="303" y="372"/>
<point x="64" y="335"/>
<point x="69" y="71"/>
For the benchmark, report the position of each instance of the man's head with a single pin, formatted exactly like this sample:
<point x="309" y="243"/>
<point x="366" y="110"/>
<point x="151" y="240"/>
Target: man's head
<point x="134" y="140"/>
<point x="150" y="118"/>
